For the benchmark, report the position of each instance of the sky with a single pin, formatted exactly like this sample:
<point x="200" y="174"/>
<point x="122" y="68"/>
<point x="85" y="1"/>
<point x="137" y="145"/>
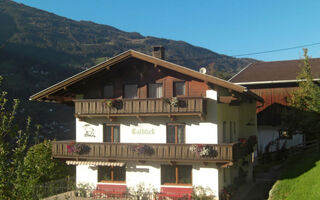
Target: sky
<point x="231" y="27"/>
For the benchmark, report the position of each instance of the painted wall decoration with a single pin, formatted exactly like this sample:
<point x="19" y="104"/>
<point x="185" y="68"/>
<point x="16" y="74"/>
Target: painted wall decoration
<point x="89" y="131"/>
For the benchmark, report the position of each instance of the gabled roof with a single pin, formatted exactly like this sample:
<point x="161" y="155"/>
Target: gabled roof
<point x="274" y="72"/>
<point x="156" y="61"/>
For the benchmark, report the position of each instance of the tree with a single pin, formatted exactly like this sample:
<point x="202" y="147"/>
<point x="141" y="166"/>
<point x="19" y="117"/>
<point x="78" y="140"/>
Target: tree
<point x="305" y="102"/>
<point x="39" y="167"/>
<point x="21" y="168"/>
<point x="11" y="147"/>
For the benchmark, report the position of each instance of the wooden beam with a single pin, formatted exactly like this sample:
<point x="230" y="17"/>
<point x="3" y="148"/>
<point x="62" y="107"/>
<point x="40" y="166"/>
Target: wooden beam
<point x="202" y="117"/>
<point x="140" y="118"/>
<point x="59" y="98"/>
<point x="81" y="119"/>
<point x="112" y="118"/>
<point x="227" y="99"/>
<point x="173" y="162"/>
<point x="224" y="165"/>
<point x="172" y="118"/>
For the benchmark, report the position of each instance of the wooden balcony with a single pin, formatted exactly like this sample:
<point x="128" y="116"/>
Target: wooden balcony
<point x="140" y="107"/>
<point x="161" y="152"/>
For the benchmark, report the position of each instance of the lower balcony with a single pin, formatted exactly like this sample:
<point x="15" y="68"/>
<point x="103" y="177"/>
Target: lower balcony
<point x="219" y="153"/>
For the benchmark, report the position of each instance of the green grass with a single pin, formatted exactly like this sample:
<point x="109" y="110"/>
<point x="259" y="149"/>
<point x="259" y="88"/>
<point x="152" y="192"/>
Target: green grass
<point x="300" y="178"/>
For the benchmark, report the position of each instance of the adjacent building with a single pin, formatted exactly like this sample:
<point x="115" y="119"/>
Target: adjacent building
<point x="274" y="81"/>
<point x="141" y="119"/>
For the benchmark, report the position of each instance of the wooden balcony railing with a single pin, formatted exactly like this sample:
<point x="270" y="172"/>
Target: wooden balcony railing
<point x="161" y="152"/>
<point x="141" y="107"/>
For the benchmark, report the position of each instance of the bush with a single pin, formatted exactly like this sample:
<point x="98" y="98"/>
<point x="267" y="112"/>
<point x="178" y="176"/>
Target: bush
<point x="201" y="193"/>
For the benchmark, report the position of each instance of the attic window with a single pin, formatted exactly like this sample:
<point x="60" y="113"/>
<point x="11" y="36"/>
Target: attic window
<point x="108" y="91"/>
<point x="179" y="89"/>
<point x="155" y="90"/>
<point x="130" y="91"/>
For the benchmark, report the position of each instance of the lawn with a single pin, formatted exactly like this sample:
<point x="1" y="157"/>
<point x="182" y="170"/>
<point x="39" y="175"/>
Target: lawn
<point x="300" y="178"/>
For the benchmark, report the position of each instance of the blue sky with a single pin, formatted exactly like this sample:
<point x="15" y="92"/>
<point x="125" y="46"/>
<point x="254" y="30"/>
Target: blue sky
<point x="230" y="27"/>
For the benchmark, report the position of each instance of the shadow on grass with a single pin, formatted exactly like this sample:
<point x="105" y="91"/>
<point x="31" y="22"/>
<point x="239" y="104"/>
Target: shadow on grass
<point x="299" y="164"/>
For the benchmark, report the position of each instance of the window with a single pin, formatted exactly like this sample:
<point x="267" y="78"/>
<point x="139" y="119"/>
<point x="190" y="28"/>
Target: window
<point x="111" y="174"/>
<point x="230" y="131"/>
<point x="224" y="131"/>
<point x="176" y="174"/>
<point x="112" y="133"/>
<point x="235" y="130"/>
<point x="284" y="134"/>
<point x="175" y="133"/>
<point x="155" y="90"/>
<point x="108" y="91"/>
<point x="131" y="91"/>
<point x="179" y="89"/>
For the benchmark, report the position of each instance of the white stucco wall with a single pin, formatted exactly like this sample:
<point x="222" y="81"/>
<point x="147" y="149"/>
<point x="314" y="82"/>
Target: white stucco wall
<point x="89" y="130"/>
<point x="153" y="129"/>
<point x="147" y="174"/>
<point x="267" y="134"/>
<point x="206" y="176"/>
<point x="86" y="175"/>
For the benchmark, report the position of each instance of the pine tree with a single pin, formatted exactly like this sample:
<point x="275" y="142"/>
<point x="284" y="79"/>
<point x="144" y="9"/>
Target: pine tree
<point x="304" y="117"/>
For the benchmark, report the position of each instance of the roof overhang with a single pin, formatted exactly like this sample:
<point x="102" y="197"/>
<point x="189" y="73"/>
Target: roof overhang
<point x="156" y="61"/>
<point x="273" y="82"/>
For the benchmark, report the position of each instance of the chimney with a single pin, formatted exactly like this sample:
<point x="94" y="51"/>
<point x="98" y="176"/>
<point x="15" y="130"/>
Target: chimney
<point x="158" y="52"/>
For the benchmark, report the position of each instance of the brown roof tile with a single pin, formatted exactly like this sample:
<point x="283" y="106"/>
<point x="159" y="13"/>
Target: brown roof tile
<point x="275" y="71"/>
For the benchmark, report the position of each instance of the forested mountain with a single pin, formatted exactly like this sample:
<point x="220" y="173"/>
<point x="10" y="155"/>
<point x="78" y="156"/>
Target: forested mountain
<point x="38" y="49"/>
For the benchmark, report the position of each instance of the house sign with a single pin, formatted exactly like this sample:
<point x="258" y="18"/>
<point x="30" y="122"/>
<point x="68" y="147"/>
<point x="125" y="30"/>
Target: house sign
<point x="143" y="131"/>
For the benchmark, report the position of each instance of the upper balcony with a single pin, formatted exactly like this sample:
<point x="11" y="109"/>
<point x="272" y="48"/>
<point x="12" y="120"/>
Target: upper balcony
<point x="141" y="107"/>
<point x="218" y="153"/>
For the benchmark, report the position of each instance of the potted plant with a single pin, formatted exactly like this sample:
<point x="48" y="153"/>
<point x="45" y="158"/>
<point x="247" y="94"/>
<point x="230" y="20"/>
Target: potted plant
<point x="78" y="148"/>
<point x="143" y="149"/>
<point x="203" y="150"/>
<point x="174" y="101"/>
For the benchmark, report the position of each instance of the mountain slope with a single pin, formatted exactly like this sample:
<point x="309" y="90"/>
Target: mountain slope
<point x="38" y="49"/>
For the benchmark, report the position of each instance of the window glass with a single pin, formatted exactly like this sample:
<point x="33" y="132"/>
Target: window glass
<point x="168" y="174"/>
<point x="116" y="134"/>
<point x="111" y="174"/>
<point x="108" y="91"/>
<point x="119" y="173"/>
<point x="180" y="134"/>
<point x="230" y="132"/>
<point x="184" y="174"/>
<point x="234" y="130"/>
<point x="176" y="174"/>
<point x="179" y="88"/>
<point x="112" y="133"/>
<point x="130" y="91"/>
<point x="155" y="90"/>
<point x="171" y="136"/>
<point x="224" y="131"/>
<point x="175" y="133"/>
<point x="107" y="134"/>
<point x="104" y="173"/>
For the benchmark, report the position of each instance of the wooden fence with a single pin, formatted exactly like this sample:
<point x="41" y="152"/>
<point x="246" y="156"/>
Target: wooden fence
<point x="191" y="105"/>
<point x="156" y="152"/>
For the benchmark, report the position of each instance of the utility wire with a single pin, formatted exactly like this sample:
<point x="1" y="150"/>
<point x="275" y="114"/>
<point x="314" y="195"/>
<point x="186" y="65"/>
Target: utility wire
<point x="253" y="53"/>
<point x="277" y="50"/>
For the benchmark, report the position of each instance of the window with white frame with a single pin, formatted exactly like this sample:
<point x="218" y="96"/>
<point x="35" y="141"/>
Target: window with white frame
<point x="155" y="90"/>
